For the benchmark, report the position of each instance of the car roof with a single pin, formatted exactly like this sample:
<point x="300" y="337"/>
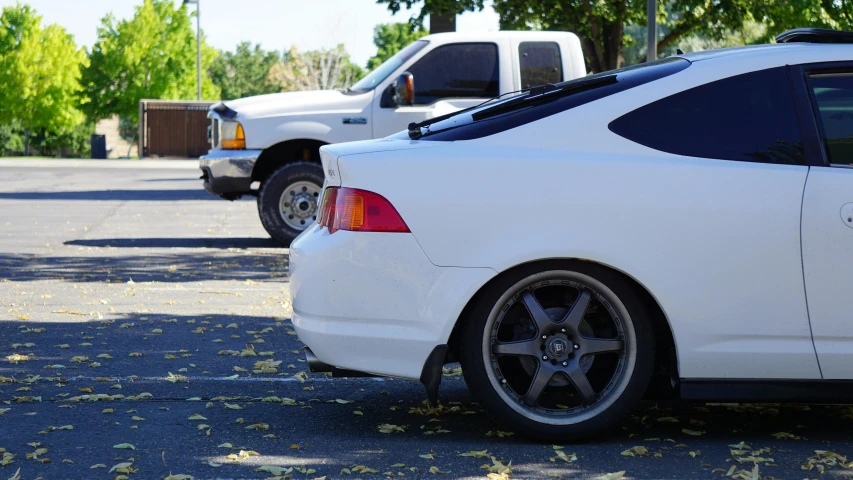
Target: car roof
<point x="495" y="36"/>
<point x="782" y="53"/>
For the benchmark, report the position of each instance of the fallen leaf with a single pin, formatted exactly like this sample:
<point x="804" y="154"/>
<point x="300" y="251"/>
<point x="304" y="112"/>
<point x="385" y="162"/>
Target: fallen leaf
<point x="124" y="467"/>
<point x="178" y="477"/>
<point x="388" y="428"/>
<point x="476" y="454"/>
<point x="611" y="476"/>
<point x="125" y="445"/>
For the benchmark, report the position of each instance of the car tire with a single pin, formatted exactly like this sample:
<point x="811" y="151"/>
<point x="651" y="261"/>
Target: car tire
<point x="498" y="344"/>
<point x="288" y="201"/>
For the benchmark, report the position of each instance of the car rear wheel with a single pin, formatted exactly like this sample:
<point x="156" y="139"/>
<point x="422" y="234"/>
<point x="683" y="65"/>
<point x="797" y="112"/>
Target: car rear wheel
<point x="558" y="353"/>
<point x="289" y="200"/>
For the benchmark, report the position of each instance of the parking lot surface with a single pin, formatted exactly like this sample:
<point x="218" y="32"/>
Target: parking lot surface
<point x="145" y="331"/>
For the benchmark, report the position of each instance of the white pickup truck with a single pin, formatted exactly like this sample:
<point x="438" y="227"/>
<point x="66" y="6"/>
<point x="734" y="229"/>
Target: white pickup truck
<point x="268" y="145"/>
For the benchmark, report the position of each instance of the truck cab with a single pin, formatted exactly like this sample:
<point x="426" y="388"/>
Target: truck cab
<point x="268" y="145"/>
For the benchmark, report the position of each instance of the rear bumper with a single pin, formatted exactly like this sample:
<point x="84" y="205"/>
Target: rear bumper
<point x="228" y="173"/>
<point x="372" y="302"/>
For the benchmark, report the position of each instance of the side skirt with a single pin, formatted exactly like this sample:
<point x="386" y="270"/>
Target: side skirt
<point x="765" y="391"/>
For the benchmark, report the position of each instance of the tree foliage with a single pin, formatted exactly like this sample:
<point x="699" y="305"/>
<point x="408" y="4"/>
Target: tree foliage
<point x="150" y="56"/>
<point x="442" y="7"/>
<point x="314" y="70"/>
<point x="390" y="38"/>
<point x="243" y="73"/>
<point x="39" y="74"/>
<point x="603" y="25"/>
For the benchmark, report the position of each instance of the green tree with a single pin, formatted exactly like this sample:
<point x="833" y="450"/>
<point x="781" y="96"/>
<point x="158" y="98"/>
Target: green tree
<point x="151" y="56"/>
<point x="434" y="6"/>
<point x="390" y="38"/>
<point x="602" y="25"/>
<point x="39" y="74"/>
<point x="780" y="16"/>
<point x="243" y="73"/>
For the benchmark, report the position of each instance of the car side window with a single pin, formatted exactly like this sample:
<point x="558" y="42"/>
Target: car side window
<point x="540" y="63"/>
<point x="461" y="70"/>
<point x="748" y="118"/>
<point x="832" y="95"/>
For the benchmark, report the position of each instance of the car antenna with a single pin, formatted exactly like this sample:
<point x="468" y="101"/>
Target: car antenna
<point x="678" y="51"/>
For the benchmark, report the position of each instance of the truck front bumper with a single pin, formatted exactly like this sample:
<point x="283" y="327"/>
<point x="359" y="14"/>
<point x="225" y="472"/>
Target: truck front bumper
<point x="228" y="173"/>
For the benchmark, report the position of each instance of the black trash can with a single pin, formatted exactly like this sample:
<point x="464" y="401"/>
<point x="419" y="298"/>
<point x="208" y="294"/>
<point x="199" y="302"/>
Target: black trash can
<point x="99" y="146"/>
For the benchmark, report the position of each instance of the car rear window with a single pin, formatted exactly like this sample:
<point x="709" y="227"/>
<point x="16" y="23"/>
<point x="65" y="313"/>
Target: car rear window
<point x="626" y="78"/>
<point x="747" y="118"/>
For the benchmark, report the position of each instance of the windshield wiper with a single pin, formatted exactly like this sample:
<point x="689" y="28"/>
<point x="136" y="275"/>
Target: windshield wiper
<point x="415" y="127"/>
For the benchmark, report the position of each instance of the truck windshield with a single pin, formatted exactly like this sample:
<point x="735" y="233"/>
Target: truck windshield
<point x="381" y="72"/>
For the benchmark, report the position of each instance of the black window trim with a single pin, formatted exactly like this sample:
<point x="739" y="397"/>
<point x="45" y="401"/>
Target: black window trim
<point x="453" y="44"/>
<point x="806" y="109"/>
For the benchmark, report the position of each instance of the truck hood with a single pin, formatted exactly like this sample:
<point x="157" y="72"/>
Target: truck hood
<point x="298" y="103"/>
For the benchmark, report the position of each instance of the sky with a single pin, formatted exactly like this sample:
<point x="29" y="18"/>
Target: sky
<point x="275" y="24"/>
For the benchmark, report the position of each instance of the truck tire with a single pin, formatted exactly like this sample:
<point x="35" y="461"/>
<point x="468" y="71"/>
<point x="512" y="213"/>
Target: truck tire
<point x="288" y="200"/>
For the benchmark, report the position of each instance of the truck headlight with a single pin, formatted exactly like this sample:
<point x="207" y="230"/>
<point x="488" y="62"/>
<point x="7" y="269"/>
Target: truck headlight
<point x="233" y="137"/>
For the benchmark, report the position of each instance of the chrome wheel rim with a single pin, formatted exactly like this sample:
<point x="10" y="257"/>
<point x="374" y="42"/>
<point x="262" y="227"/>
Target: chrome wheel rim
<point x="299" y="204"/>
<point x="559" y="347"/>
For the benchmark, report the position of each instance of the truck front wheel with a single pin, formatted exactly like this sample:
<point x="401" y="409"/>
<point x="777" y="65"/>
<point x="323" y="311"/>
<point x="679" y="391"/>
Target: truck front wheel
<point x="289" y="199"/>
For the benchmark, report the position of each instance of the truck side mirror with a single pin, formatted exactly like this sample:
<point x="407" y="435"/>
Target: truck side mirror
<point x="404" y="89"/>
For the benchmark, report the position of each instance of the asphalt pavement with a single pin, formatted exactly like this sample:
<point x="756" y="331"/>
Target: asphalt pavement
<point x="145" y="332"/>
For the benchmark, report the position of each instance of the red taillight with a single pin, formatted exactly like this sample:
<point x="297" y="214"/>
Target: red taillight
<point x="359" y="211"/>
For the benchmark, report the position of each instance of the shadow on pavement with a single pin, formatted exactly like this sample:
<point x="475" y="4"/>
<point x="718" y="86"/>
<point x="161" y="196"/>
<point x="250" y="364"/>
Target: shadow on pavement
<point x="177" y="243"/>
<point x="106" y="195"/>
<point x="146" y="268"/>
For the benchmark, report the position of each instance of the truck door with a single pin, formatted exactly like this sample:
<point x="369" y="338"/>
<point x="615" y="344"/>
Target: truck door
<point x="446" y="79"/>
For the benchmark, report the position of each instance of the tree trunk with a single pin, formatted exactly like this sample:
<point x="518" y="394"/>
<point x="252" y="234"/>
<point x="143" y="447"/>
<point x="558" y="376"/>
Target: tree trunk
<point x="26" y="142"/>
<point x="613" y="44"/>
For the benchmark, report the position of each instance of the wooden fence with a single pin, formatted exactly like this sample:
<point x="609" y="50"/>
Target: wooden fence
<point x="173" y="128"/>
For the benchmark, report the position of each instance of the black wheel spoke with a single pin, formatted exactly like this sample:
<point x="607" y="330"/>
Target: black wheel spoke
<point x="537" y="313"/>
<point x="581" y="383"/>
<point x="540" y="380"/>
<point x="593" y="346"/>
<point x="527" y="347"/>
<point x="575" y="315"/>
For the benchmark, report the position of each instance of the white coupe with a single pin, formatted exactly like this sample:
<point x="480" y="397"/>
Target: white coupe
<point x="686" y="222"/>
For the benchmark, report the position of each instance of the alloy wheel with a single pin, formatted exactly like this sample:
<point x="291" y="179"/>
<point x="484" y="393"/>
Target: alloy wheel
<point x="559" y="347"/>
